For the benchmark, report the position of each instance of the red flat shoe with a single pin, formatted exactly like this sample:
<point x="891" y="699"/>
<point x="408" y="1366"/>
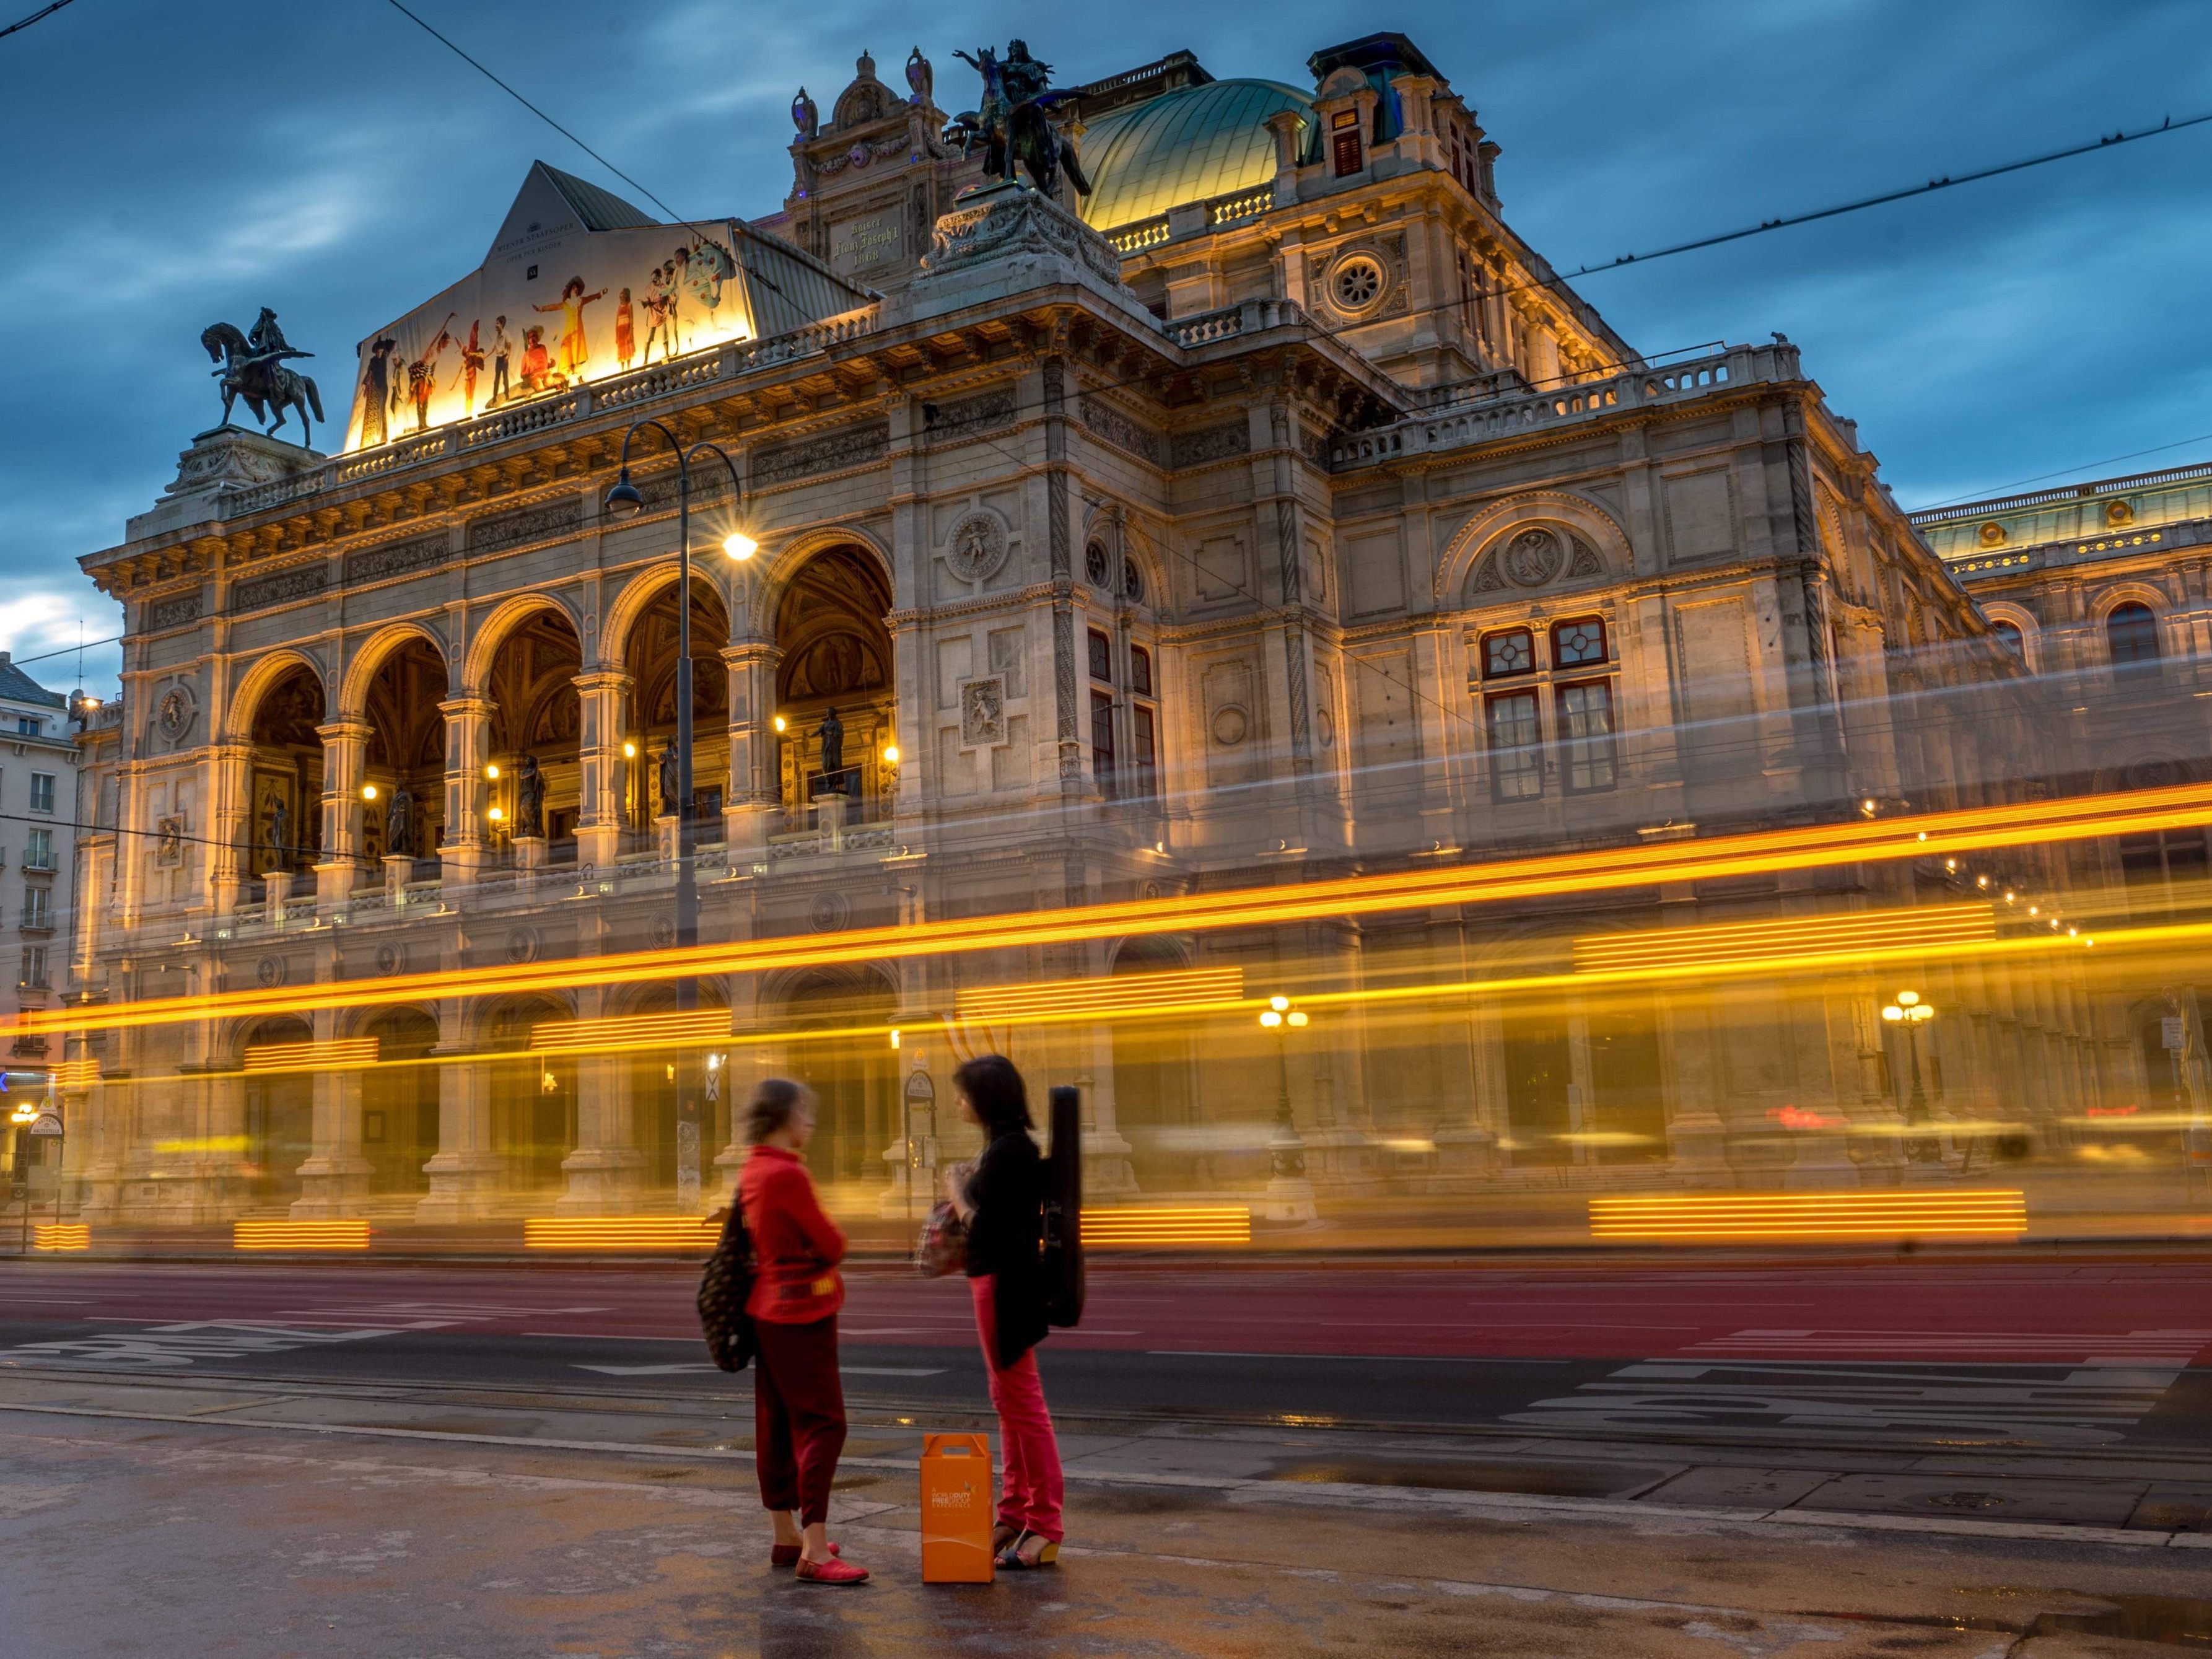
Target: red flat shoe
<point x="832" y="1571"/>
<point x="786" y="1555"/>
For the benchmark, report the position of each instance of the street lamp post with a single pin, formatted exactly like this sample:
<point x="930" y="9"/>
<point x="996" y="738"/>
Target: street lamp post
<point x="1290" y="1194"/>
<point x="1911" y="1013"/>
<point x="624" y="501"/>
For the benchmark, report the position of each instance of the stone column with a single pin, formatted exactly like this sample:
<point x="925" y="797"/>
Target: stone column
<point x="229" y="814"/>
<point x="606" y="1172"/>
<point x="468" y="731"/>
<point x="753" y="792"/>
<point x="466" y="1171"/>
<point x="345" y="754"/>
<point x="603" y="694"/>
<point x="334" y="1181"/>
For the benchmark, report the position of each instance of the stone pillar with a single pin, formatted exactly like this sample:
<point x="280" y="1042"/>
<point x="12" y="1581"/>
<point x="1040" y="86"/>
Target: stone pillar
<point x="606" y="1171"/>
<point x="604" y="770"/>
<point x="1286" y="126"/>
<point x="277" y="887"/>
<point x="465" y="1172"/>
<point x="228" y="824"/>
<point x="753" y="792"/>
<point x="468" y="731"/>
<point x="345" y="754"/>
<point x="334" y="1181"/>
<point x="1106" y="1169"/>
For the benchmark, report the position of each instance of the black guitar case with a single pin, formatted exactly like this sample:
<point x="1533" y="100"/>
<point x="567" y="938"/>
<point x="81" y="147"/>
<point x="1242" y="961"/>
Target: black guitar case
<point x="1063" y="1212"/>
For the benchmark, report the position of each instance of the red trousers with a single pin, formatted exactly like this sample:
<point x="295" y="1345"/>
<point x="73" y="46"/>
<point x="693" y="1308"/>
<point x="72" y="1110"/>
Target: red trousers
<point x="799" y="1416"/>
<point x="1030" y="1490"/>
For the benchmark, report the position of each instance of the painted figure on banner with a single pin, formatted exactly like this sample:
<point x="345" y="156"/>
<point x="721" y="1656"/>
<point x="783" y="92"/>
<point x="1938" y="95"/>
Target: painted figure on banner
<point x="574" y="351"/>
<point x="376" y="391"/>
<point x="472" y="363"/>
<point x="501" y="347"/>
<point x="538" y="371"/>
<point x="658" y="303"/>
<point x="705" y="269"/>
<point x="422" y="373"/>
<point x="625" y="331"/>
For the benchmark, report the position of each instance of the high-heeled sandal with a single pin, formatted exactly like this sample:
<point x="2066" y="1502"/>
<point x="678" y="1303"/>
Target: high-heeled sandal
<point x="1001" y="1535"/>
<point x="1010" y="1558"/>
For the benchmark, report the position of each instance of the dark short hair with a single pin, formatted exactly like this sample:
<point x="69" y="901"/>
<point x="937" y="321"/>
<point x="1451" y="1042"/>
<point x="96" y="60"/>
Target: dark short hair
<point x="994" y="1088"/>
<point x="773" y="1102"/>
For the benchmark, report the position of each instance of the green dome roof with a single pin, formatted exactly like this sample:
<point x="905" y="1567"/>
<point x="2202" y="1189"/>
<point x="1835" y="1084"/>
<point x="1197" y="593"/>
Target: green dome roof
<point x="1186" y="146"/>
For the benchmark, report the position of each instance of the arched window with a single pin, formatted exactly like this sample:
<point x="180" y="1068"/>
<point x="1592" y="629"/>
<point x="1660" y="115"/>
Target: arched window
<point x="2131" y="634"/>
<point x="2009" y="634"/>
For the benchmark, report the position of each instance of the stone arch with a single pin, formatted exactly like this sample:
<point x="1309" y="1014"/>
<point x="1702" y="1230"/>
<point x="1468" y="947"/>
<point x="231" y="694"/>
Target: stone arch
<point x="776" y="571"/>
<point x="1574" y="519"/>
<point x="2110" y="599"/>
<point x="267" y="673"/>
<point x="370" y="656"/>
<point x="485" y="639"/>
<point x="2019" y="617"/>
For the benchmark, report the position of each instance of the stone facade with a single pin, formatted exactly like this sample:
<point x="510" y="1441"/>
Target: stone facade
<point x="1136" y="562"/>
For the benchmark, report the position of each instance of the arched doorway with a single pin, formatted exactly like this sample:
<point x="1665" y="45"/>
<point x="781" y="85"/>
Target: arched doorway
<point x="1154" y="1095"/>
<point x="406" y="759"/>
<point x="649" y="654"/>
<point x="838" y="1021"/>
<point x="533" y="1098"/>
<point x="399" y="1102"/>
<point x="836" y="655"/>
<point x="280" y="1119"/>
<point x="535" y="717"/>
<point x="285" y="827"/>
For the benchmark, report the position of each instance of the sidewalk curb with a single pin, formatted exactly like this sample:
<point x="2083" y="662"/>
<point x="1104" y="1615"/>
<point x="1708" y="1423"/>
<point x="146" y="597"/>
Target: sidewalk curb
<point x="1315" y="1494"/>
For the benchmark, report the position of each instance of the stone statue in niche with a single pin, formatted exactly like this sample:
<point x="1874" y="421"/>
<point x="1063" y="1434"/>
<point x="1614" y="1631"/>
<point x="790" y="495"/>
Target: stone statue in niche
<point x="668" y="782"/>
<point x="831" y="732"/>
<point x="280" y="833"/>
<point x="530" y="798"/>
<point x="169" y="847"/>
<point x="400" y="823"/>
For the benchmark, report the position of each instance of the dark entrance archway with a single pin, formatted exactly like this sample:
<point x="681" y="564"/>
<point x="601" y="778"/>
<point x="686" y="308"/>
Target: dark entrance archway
<point x="406" y="750"/>
<point x="284" y="826"/>
<point x="280" y="1119"/>
<point x="536" y="714"/>
<point x="836" y="653"/>
<point x="399" y="1102"/>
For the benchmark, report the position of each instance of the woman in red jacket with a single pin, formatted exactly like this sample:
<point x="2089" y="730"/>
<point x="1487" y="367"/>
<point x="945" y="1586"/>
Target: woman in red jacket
<point x="799" y="1404"/>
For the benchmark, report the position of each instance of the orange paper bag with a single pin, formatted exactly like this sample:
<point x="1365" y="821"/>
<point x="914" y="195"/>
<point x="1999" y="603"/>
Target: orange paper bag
<point x="955" y="1509"/>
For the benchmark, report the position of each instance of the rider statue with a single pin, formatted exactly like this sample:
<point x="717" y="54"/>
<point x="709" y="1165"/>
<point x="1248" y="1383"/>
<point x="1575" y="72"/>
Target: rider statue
<point x="1014" y="120"/>
<point x="266" y="344"/>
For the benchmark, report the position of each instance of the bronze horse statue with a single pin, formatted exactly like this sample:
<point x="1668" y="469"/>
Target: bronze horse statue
<point x="1015" y="122"/>
<point x="261" y="380"/>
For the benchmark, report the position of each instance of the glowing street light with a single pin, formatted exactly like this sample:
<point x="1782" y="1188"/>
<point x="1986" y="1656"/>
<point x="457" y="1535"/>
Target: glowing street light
<point x="1911" y="1013"/>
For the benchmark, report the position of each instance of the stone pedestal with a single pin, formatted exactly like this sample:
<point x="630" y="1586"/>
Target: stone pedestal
<point x="830" y="812"/>
<point x="223" y="462"/>
<point x="398" y="870"/>
<point x="334" y="883"/>
<point x="1470" y="1153"/>
<point x="529" y="853"/>
<point x="465" y="1173"/>
<point x="277" y="887"/>
<point x="1699" y="1141"/>
<point x="664" y="836"/>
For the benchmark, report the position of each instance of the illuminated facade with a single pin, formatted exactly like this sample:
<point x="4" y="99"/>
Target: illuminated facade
<point x="1286" y="520"/>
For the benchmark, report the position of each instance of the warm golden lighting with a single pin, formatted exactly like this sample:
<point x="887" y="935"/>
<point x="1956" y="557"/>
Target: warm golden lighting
<point x="1279" y="1003"/>
<point x="895" y="1037"/>
<point x="890" y="754"/>
<point x="492" y="772"/>
<point x="1167" y="1225"/>
<point x="368" y="791"/>
<point x="739" y="546"/>
<point x="1076" y="999"/>
<point x="1935" y="926"/>
<point x="1270" y="1018"/>
<point x="333" y="1055"/>
<point x="496" y="815"/>
<point x="61" y="1235"/>
<point x="299" y="1236"/>
<point x="780" y="723"/>
<point x="617" y="1232"/>
<point x="629" y="751"/>
<point x="1296" y="1016"/>
<point x="1674" y="1217"/>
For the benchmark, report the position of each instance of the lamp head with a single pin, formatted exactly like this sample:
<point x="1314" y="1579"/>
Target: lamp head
<point x="368" y="791"/>
<point x="739" y="546"/>
<point x="624" y="500"/>
<point x="1270" y="1018"/>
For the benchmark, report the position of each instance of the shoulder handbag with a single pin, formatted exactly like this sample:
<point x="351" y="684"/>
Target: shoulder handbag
<point x="725" y="1285"/>
<point x="942" y="1249"/>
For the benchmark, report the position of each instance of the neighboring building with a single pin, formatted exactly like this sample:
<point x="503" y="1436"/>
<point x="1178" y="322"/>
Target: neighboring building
<point x="37" y="848"/>
<point x="1289" y="518"/>
<point x="2101" y="589"/>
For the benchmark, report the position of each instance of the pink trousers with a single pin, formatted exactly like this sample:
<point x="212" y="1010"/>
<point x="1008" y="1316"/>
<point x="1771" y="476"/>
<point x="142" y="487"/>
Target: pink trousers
<point x="1030" y="1490"/>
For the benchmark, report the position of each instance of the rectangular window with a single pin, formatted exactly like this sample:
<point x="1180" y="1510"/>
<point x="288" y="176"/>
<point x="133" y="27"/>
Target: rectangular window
<point x="1513" y="652"/>
<point x="1515" y="760"/>
<point x="1141" y="670"/>
<point x="39" y="850"/>
<point x="34" y="967"/>
<point x="38" y="908"/>
<point x="27" y="726"/>
<point x="1102" y="657"/>
<point x="1344" y="150"/>
<point x="42" y="791"/>
<point x="1578" y="642"/>
<point x="1586" y="730"/>
<point x="1145" y="780"/>
<point x="1102" y="740"/>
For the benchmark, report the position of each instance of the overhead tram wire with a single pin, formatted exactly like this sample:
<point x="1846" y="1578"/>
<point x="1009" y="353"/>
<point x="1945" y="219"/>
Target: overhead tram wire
<point x="25" y="22"/>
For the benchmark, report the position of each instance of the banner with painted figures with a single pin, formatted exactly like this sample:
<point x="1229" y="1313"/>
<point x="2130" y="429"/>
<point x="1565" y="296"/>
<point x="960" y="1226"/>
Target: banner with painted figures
<point x="559" y="303"/>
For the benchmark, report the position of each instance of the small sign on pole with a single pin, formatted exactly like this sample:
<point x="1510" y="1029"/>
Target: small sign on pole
<point x="46" y="1124"/>
<point x="2172" y="1032"/>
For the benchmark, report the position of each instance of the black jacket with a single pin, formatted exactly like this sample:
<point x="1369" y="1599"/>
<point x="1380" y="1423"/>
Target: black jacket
<point x="1006" y="1239"/>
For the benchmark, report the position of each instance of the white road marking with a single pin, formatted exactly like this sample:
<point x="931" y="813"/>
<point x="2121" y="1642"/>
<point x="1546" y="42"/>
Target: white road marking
<point x="163" y="1347"/>
<point x="669" y="1370"/>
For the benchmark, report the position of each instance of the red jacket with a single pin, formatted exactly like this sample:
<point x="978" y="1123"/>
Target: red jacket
<point x="796" y="1244"/>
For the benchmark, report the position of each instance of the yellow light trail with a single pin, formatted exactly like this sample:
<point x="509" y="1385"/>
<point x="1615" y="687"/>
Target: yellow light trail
<point x="299" y="1236"/>
<point x="1808" y="847"/>
<point x="1732" y="1218"/>
<point x="1167" y="1225"/>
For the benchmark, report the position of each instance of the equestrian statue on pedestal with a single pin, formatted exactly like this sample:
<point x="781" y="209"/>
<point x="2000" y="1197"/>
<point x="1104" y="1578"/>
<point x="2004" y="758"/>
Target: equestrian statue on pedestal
<point x="1015" y="120"/>
<point x="253" y="369"/>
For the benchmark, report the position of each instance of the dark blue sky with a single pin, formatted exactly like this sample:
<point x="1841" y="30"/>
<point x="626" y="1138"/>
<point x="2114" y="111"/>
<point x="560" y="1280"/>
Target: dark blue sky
<point x="169" y="166"/>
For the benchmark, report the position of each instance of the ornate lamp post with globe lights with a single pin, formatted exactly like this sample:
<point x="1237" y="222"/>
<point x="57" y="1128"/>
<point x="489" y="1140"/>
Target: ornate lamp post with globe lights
<point x="626" y="502"/>
<point x="1290" y="1194"/>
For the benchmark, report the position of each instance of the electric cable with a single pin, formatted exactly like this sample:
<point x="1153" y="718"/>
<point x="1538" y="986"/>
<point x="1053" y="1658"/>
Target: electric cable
<point x="26" y="22"/>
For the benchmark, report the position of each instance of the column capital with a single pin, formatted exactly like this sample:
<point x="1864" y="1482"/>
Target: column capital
<point x="744" y="652"/>
<point x="603" y="679"/>
<point x="345" y="729"/>
<point x="458" y="707"/>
